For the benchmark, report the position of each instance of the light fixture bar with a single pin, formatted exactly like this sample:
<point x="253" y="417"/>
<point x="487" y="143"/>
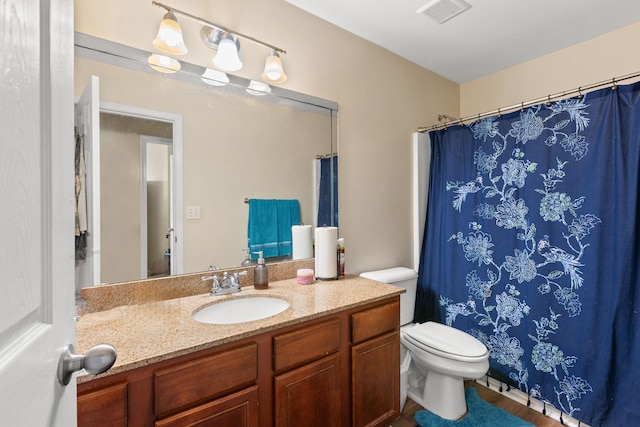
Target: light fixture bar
<point x="216" y="26"/>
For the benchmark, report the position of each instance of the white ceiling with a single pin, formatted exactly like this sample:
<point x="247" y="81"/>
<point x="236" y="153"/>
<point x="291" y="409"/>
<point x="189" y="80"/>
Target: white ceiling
<point x="490" y="36"/>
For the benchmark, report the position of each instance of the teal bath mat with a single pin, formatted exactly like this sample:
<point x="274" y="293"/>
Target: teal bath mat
<point x="480" y="414"/>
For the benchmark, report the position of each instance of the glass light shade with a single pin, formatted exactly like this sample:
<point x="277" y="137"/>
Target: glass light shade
<point x="163" y="64"/>
<point x="169" y="38"/>
<point x="215" y="77"/>
<point x="258" y="88"/>
<point x="227" y="58"/>
<point x="273" y="71"/>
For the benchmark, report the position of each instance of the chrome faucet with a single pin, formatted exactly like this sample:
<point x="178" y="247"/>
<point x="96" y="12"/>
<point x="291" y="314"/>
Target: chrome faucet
<point x="229" y="284"/>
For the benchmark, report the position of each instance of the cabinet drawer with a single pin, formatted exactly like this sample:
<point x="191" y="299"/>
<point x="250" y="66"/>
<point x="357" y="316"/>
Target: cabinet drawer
<point x="111" y="400"/>
<point x="201" y="379"/>
<point x="305" y="344"/>
<point x="375" y="321"/>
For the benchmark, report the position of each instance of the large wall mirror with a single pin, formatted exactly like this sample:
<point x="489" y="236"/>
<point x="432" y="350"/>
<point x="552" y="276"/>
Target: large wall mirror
<point x="172" y="160"/>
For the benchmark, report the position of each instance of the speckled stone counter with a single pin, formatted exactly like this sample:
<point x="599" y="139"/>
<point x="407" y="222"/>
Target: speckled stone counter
<point x="153" y="331"/>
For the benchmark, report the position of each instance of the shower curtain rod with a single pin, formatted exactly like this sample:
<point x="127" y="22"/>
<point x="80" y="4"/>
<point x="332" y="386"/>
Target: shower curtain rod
<point x="612" y="83"/>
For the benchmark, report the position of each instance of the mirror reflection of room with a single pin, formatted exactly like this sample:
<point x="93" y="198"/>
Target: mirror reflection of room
<point x="228" y="145"/>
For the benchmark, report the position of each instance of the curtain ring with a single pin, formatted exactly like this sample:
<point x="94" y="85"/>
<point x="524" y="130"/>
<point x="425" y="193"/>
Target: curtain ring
<point x="614" y="86"/>
<point x="499" y="113"/>
<point x="522" y="106"/>
<point x="580" y="95"/>
<point x="548" y="100"/>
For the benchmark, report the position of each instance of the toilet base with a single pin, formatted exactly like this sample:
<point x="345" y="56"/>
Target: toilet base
<point x="441" y="394"/>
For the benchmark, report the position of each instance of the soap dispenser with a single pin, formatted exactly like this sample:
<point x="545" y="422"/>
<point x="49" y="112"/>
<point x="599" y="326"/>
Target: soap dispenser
<point x="260" y="273"/>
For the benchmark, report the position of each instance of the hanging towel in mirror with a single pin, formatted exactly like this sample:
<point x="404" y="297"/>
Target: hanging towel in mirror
<point x="269" y="228"/>
<point x="81" y="198"/>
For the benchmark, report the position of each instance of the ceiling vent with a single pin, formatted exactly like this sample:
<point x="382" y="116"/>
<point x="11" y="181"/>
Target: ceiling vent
<point x="443" y="10"/>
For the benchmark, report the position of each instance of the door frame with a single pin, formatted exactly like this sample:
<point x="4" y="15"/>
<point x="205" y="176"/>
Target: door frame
<point x="177" y="256"/>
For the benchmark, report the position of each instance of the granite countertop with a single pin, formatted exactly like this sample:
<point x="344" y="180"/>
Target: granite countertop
<point x="158" y="330"/>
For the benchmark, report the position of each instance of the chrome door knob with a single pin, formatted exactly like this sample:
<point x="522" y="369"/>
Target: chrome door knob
<point x="97" y="360"/>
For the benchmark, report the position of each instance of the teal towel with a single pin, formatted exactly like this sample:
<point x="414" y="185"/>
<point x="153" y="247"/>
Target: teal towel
<point x="269" y="228"/>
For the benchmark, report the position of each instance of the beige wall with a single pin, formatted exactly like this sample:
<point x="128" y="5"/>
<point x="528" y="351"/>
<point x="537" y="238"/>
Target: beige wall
<point x="602" y="58"/>
<point x="382" y="100"/>
<point x="119" y="201"/>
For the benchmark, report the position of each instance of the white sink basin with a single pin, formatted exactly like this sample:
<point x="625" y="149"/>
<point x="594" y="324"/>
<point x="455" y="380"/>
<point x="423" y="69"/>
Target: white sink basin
<point x="240" y="310"/>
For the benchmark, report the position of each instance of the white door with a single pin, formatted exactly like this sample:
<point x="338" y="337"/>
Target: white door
<point x="36" y="211"/>
<point x="87" y="120"/>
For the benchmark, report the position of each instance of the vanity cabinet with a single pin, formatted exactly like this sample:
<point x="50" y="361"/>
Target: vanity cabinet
<point x="336" y="370"/>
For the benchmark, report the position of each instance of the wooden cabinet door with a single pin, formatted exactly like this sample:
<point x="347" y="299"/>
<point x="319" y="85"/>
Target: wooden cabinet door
<point x="376" y="381"/>
<point x="104" y="407"/>
<point x="236" y="410"/>
<point x="309" y="395"/>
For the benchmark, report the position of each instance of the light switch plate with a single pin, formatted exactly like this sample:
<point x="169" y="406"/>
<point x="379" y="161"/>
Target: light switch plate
<point x="193" y="212"/>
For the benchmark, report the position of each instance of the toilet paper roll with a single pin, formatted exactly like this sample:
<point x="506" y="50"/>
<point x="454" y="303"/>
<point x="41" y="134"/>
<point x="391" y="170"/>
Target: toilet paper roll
<point x="326" y="253"/>
<point x="302" y="241"/>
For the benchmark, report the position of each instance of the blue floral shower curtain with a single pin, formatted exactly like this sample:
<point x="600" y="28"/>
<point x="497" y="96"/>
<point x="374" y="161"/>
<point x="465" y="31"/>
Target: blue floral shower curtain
<point x="531" y="247"/>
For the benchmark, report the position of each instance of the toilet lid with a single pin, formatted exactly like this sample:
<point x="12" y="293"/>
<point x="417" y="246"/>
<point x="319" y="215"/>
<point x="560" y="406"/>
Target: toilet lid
<point x="446" y="339"/>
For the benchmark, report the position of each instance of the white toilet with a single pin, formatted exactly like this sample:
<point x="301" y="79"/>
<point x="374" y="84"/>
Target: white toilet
<point x="442" y="357"/>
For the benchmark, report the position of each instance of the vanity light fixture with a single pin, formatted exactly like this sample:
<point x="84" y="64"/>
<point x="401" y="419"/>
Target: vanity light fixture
<point x="258" y="88"/>
<point x="273" y="71"/>
<point x="226" y="42"/>
<point x="227" y="58"/>
<point x="215" y="77"/>
<point x="163" y="64"/>
<point x="169" y="38"/>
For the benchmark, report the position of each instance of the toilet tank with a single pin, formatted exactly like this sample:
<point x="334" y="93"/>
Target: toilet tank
<point x="403" y="277"/>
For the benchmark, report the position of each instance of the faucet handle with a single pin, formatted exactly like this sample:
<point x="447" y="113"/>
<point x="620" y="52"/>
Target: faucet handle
<point x="236" y="278"/>
<point x="215" y="285"/>
<point x="241" y="273"/>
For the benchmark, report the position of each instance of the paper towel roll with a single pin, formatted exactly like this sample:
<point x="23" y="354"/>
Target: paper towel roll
<point x="326" y="253"/>
<point x="302" y="241"/>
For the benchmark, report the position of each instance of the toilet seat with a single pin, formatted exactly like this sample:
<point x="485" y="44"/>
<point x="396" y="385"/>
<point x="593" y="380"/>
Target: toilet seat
<point x="445" y="341"/>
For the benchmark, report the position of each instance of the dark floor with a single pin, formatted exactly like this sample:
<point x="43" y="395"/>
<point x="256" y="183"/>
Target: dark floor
<point x="495" y="398"/>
